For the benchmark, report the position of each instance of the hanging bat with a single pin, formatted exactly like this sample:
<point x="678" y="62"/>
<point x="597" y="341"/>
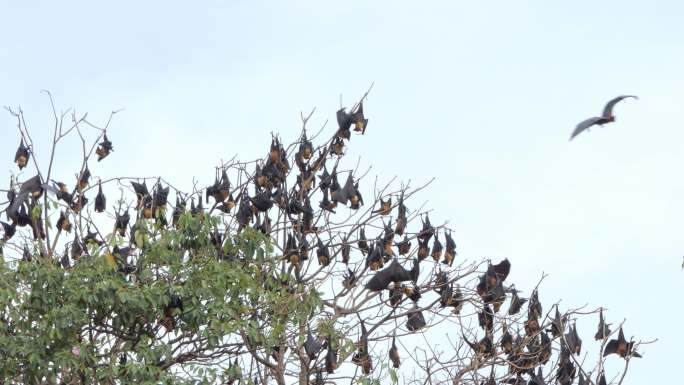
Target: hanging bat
<point x="104" y="148"/>
<point x="64" y="260"/>
<point x="83" y="179"/>
<point x="312" y="347"/>
<point x="387" y="238"/>
<point x="323" y="254"/>
<point x="349" y="279"/>
<point x="396" y="294"/>
<point x="344" y="122"/>
<point x="436" y="249"/>
<point x="404" y="246"/>
<point x="506" y="341"/>
<point x="121" y="223"/>
<point x="621" y="347"/>
<point x="385" y="207"/>
<point x="76" y="250"/>
<point x="486" y="319"/>
<point x="337" y="146"/>
<point x="606" y="117"/>
<point x="423" y="249"/>
<point x="538" y="378"/>
<point x="395" y="272"/>
<point x="141" y="193"/>
<point x="345" y="251"/>
<point x="427" y="231"/>
<point x="356" y="200"/>
<point x="343" y="194"/>
<point x="291" y="250"/>
<point x="573" y="340"/>
<point x="305" y="147"/>
<point x="26" y="255"/>
<point x="483" y="348"/>
<point x="516" y="302"/>
<point x="534" y="307"/>
<point x="100" y="199"/>
<point x="360" y="122"/>
<point x="63" y="223"/>
<point x="361" y="356"/>
<point x="394" y="354"/>
<point x="262" y="201"/>
<point x="21" y="157"/>
<point x="326" y="204"/>
<point x="415" y="321"/>
<point x="450" y="251"/>
<point x="91" y="238"/>
<point x="363" y="242"/>
<point x="331" y="359"/>
<point x="603" y="328"/>
<point x="160" y="197"/>
<point x="532" y="325"/>
<point x="557" y="326"/>
<point x="170" y="311"/>
<point x="401" y="219"/>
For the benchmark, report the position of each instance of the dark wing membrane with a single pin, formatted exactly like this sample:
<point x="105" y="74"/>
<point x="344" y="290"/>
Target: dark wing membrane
<point x="608" y="109"/>
<point x="583" y="125"/>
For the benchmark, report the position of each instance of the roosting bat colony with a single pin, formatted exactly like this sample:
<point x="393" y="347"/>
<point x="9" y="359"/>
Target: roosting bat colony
<point x="397" y="303"/>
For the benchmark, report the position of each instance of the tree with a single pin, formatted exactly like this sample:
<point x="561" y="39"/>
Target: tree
<point x="287" y="275"/>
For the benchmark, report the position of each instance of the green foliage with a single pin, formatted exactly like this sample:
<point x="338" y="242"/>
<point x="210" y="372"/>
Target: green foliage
<point x="62" y="324"/>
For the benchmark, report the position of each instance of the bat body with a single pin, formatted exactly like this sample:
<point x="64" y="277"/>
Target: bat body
<point x="606" y="117"/>
<point x="21" y="157"/>
<point x="100" y="200"/>
<point x="104" y="148"/>
<point x="603" y="328"/>
<point x="394" y="354"/>
<point x="415" y="321"/>
<point x="311" y="346"/>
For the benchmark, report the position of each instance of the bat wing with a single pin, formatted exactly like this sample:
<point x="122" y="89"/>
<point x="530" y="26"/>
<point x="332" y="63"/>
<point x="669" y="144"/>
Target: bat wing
<point x="502" y="269"/>
<point x="608" y="109"/>
<point x="611" y="347"/>
<point x="380" y="280"/>
<point x="583" y="125"/>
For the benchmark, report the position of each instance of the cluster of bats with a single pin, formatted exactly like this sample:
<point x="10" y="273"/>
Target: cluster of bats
<point x="266" y="190"/>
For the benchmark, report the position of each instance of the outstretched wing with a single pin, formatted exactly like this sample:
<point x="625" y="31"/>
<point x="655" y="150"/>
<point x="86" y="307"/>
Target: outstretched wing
<point x="583" y="125"/>
<point x="608" y="109"/>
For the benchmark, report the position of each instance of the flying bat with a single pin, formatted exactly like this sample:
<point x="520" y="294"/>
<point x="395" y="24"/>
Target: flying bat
<point x="606" y="117"/>
<point x="395" y="272"/>
<point x="621" y="347"/>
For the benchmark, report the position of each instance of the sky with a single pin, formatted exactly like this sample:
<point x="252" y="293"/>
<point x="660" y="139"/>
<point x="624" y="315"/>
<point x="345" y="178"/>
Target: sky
<point x="482" y="96"/>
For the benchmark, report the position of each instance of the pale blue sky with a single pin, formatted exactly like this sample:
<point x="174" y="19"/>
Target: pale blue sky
<point x="481" y="95"/>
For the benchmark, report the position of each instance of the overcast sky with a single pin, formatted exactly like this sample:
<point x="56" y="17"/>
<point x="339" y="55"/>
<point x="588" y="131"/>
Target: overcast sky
<point x="481" y="95"/>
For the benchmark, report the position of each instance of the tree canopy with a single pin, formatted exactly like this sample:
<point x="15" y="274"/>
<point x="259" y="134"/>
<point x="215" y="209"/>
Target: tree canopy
<point x="291" y="268"/>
